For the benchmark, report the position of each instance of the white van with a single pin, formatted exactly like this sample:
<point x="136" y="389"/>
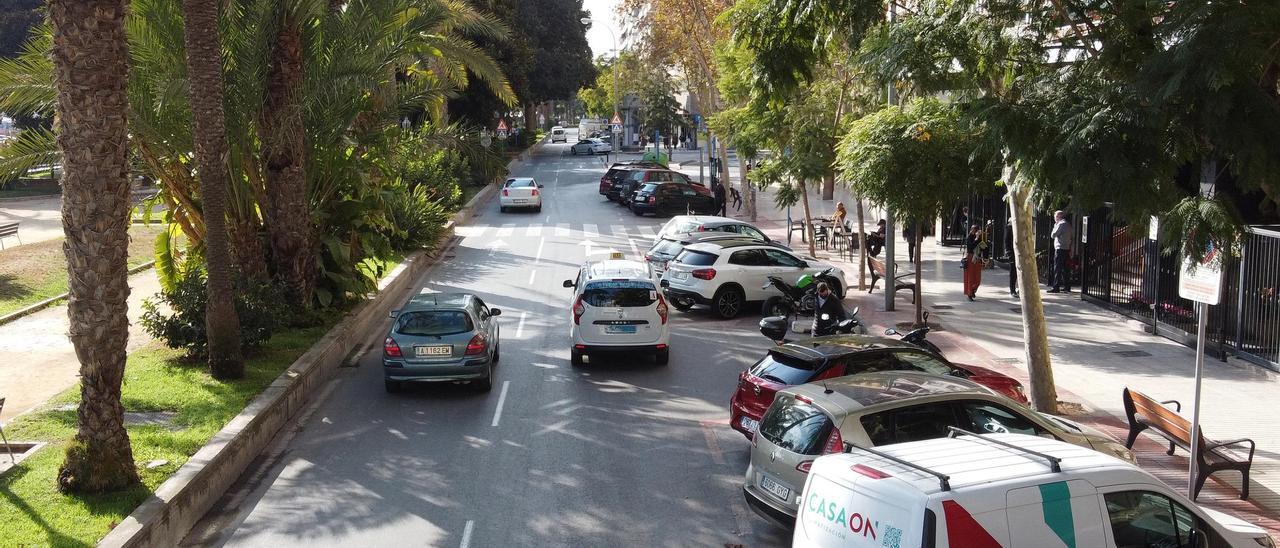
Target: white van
<point x="1001" y="490"/>
<point x="617" y="310"/>
<point x="558" y="134"/>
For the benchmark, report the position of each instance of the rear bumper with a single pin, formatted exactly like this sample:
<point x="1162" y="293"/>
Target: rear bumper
<point x="677" y="293"/>
<point x="736" y="412"/>
<point x="607" y="348"/>
<point x="472" y="369"/>
<point x="641" y="207"/>
<point x="765" y="509"/>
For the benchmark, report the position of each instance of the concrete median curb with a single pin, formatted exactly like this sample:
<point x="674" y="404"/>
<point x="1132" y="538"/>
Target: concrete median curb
<point x="10" y="317"/>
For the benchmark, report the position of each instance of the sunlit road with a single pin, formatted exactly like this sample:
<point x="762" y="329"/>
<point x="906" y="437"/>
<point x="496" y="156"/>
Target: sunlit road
<point x="615" y="453"/>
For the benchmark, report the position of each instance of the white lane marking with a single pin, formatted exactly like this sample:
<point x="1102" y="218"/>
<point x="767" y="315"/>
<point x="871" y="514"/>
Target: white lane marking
<point x="619" y="231"/>
<point x="587" y="243"/>
<point x="635" y="252"/>
<point x="520" y="325"/>
<point x="506" y="229"/>
<point x="648" y="232"/>
<point x="533" y="230"/>
<point x="562" y="229"/>
<point x="473" y="231"/>
<point x="548" y="218"/>
<point x="532" y="274"/>
<point x="590" y="231"/>
<point x="466" y="534"/>
<point x="538" y="256"/>
<point x="502" y="399"/>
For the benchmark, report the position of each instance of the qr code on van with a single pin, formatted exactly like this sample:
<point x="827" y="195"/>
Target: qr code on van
<point x="892" y="537"/>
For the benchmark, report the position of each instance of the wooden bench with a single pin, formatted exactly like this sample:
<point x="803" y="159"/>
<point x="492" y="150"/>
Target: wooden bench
<point x="7" y="230"/>
<point x="1145" y="413"/>
<point x="879" y="271"/>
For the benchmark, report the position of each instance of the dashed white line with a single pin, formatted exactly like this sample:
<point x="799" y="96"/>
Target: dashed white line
<point x="502" y="399"/>
<point x="537" y="257"/>
<point x="520" y="325"/>
<point x="532" y="274"/>
<point x="466" y="534"/>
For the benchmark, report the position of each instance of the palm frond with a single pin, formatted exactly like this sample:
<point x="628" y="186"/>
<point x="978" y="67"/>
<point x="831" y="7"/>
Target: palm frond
<point x="31" y="148"/>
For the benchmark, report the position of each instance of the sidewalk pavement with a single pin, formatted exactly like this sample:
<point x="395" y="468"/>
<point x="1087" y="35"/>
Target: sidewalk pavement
<point x="1095" y="353"/>
<point x="38" y="219"/>
<point x="37" y="360"/>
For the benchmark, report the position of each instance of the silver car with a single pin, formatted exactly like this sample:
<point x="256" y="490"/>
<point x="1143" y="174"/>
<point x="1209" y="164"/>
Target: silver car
<point x="441" y="337"/>
<point x="870" y="409"/>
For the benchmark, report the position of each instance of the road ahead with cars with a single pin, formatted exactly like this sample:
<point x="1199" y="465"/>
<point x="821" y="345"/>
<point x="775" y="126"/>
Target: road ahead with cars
<point x="622" y="452"/>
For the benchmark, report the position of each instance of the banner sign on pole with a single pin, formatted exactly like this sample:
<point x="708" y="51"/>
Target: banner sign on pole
<point x="1202" y="282"/>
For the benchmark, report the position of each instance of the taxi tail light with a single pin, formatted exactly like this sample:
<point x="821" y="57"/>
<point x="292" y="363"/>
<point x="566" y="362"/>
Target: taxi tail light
<point x="804" y="466"/>
<point x="535" y="192"/>
<point x="390" y="348"/>
<point x="662" y="309"/>
<point x="704" y="273"/>
<point x="578" y="311"/>
<point x="478" y="345"/>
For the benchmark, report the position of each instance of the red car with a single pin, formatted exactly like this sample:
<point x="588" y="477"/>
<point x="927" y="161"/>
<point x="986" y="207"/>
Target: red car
<point x="833" y="356"/>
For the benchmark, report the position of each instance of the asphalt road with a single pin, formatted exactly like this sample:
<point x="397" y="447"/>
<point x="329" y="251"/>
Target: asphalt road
<point x="615" y="453"/>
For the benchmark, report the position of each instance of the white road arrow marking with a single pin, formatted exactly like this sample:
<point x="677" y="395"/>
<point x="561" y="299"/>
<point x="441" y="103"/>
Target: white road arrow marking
<point x="495" y="245"/>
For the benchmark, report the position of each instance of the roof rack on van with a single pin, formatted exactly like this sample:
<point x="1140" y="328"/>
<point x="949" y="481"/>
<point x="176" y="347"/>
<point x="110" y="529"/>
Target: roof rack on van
<point x="1054" y="462"/>
<point x="944" y="481"/>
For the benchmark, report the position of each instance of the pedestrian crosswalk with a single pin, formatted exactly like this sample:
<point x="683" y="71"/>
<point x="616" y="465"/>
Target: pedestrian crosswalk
<point x="564" y="230"/>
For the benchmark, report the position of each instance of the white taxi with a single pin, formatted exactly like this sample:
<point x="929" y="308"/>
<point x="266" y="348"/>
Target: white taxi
<point x="617" y="308"/>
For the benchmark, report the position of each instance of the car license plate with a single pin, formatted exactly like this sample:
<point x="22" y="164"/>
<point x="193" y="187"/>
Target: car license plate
<point x="776" y="489"/>
<point x="435" y="350"/>
<point x="620" y="329"/>
<point x="749" y="424"/>
<point x="518" y="201"/>
<point x="679" y="275"/>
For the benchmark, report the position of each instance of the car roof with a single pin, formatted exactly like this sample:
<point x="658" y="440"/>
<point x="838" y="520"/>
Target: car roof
<point x="855" y="392"/>
<point x="705" y="236"/>
<point x="730" y="243"/>
<point x="835" y="346"/>
<point x="969" y="461"/>
<point x="431" y="301"/>
<point x="707" y="220"/>
<point x="616" y="269"/>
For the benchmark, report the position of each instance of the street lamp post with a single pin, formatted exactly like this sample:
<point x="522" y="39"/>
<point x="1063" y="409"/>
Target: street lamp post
<point x="617" y="65"/>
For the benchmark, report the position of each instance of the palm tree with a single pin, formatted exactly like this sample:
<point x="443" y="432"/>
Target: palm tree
<point x="205" y="87"/>
<point x="90" y="60"/>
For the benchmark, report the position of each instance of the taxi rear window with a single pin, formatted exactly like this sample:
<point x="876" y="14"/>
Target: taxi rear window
<point x="622" y="293"/>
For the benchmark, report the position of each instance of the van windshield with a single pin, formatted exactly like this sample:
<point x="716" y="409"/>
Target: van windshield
<point x="619" y="294"/>
<point x="795" y="426"/>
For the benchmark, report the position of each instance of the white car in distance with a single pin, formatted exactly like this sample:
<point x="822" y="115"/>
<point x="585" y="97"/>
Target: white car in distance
<point x="520" y="192"/>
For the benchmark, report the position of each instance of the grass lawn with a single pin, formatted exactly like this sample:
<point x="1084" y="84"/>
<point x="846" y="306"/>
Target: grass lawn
<point x="25" y="192"/>
<point x="34" y="513"/>
<point x="34" y="272"/>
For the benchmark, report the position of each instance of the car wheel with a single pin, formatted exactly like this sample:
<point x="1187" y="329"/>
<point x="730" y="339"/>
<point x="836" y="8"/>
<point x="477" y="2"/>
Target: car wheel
<point x="485" y="384"/>
<point x="392" y="386"/>
<point x="497" y="348"/>
<point x="728" y="302"/>
<point x="573" y="151"/>
<point x="662" y="357"/>
<point x="538" y="209"/>
<point x="502" y="209"/>
<point x="682" y="305"/>
<point x="775" y="306"/>
<point x="575" y="357"/>
<point x="637" y="212"/>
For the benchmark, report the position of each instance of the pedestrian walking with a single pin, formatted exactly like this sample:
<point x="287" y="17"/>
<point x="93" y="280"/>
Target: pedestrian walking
<point x="1013" y="260"/>
<point x="736" y="197"/>
<point x="718" y="189"/>
<point x="1061" y="253"/>
<point x="972" y="262"/>
<point x="666" y="144"/>
<point x="909" y="234"/>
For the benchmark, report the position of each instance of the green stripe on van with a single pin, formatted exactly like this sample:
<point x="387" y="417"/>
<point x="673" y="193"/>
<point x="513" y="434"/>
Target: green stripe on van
<point x="1055" y="501"/>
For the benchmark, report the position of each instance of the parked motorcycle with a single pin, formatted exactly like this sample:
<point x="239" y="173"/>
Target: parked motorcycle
<point x="776" y="327"/>
<point x="801" y="298"/>
<point x="917" y="336"/>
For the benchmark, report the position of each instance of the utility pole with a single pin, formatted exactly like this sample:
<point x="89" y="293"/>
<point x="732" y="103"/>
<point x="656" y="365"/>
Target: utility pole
<point x="890" y="265"/>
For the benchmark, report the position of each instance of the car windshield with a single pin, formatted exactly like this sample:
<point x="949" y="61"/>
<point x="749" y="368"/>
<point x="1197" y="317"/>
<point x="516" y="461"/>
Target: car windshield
<point x="795" y="426"/>
<point x="784" y="369"/>
<point x="434" y="323"/>
<point x="649" y="187"/>
<point x="667" y="248"/>
<point x="696" y="258"/>
<point x="628" y="293"/>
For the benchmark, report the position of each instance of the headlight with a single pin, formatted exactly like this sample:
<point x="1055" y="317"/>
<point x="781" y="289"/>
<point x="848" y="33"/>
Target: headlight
<point x="1265" y="541"/>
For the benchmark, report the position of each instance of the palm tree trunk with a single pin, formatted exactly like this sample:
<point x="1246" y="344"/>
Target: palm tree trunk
<point x="284" y="153"/>
<point x="1035" y="332"/>
<point x="204" y="69"/>
<point x="90" y="58"/>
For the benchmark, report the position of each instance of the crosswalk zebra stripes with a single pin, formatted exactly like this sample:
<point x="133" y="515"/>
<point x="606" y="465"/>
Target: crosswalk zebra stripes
<point x="585" y="230"/>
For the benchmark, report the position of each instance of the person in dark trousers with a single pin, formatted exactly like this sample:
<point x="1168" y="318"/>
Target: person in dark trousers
<point x="909" y="234"/>
<point x="829" y="306"/>
<point x="972" y="262"/>
<point x="718" y="189"/>
<point x="1013" y="260"/>
<point x="875" y="240"/>
<point x="1061" y="253"/>
<point x="737" y="198"/>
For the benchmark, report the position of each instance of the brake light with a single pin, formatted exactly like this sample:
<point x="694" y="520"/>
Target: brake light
<point x="504" y="192"/>
<point x="702" y="228"/>
<point x="869" y="471"/>
<point x="662" y="309"/>
<point x="390" y="348"/>
<point x="653" y="199"/>
<point x="535" y="192"/>
<point x="804" y="399"/>
<point x="478" y="345"/>
<point x="578" y="310"/>
<point x="704" y="273"/>
<point x="835" y="444"/>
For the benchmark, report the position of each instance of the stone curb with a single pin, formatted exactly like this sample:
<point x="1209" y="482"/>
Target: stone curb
<point x="10" y="317"/>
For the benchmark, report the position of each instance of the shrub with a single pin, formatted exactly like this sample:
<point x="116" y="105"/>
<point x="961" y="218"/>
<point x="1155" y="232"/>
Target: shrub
<point x="415" y="217"/>
<point x="180" y="321"/>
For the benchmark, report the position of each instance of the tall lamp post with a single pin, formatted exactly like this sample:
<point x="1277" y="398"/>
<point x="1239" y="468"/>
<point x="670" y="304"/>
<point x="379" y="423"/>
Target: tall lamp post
<point x="617" y="65"/>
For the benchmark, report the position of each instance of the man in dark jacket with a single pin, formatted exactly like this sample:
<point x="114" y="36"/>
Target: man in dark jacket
<point x="718" y="189"/>
<point x="830" y="306"/>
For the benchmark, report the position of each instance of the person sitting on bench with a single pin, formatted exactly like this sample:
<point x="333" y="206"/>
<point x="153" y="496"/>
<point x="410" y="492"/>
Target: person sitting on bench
<point x="875" y="240"/>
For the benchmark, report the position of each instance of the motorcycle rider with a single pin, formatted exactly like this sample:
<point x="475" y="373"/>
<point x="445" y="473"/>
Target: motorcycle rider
<point x="830" y="307"/>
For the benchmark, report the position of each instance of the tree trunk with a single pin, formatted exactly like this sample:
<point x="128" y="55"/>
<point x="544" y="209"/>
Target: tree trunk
<point x="829" y="186"/>
<point x="1035" y="333"/>
<point x="90" y="59"/>
<point x="808" y="219"/>
<point x="862" y="247"/>
<point x="284" y="154"/>
<point x="723" y="152"/>
<point x="749" y="190"/>
<point x="530" y="119"/>
<point x="204" y="69"/>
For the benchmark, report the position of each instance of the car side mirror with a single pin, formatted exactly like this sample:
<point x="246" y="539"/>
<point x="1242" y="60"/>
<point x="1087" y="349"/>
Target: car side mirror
<point x="804" y="264"/>
<point x="540" y="185"/>
<point x="568" y="283"/>
<point x="664" y="283"/>
<point x="495" y="311"/>
<point x="394" y="313"/>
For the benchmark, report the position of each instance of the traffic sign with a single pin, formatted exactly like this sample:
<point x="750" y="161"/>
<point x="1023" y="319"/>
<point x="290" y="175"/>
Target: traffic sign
<point x="617" y="120"/>
<point x="1202" y="282"/>
<point x="617" y="128"/>
<point x="502" y="126"/>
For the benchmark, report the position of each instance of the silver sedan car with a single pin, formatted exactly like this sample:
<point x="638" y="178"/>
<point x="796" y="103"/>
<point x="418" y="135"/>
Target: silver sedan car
<point x="441" y="337"/>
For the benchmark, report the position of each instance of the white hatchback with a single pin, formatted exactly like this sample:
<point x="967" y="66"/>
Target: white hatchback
<point x="617" y="308"/>
<point x="520" y="192"/>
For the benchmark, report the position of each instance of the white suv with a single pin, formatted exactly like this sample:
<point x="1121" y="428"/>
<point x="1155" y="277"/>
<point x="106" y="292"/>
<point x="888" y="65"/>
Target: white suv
<point x="726" y="274"/>
<point x="616" y="308"/>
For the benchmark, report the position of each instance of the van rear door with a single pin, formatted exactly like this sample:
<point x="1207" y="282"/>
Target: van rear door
<point x="857" y="506"/>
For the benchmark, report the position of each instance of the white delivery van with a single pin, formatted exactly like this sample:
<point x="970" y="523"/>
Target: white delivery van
<point x="1001" y="490"/>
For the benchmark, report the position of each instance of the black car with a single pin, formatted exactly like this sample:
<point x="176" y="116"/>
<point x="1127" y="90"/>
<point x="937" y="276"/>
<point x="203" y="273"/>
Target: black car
<point x="673" y="198"/>
<point x="609" y="187"/>
<point x="627" y="186"/>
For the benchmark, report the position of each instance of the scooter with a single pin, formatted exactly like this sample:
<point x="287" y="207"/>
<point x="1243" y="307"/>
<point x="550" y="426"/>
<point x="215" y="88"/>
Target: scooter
<point x="917" y="336"/>
<point x="776" y="328"/>
<point x="801" y="298"/>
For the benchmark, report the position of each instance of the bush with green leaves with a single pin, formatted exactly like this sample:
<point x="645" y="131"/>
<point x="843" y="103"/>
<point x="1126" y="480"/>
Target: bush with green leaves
<point x="416" y="218"/>
<point x="177" y="316"/>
